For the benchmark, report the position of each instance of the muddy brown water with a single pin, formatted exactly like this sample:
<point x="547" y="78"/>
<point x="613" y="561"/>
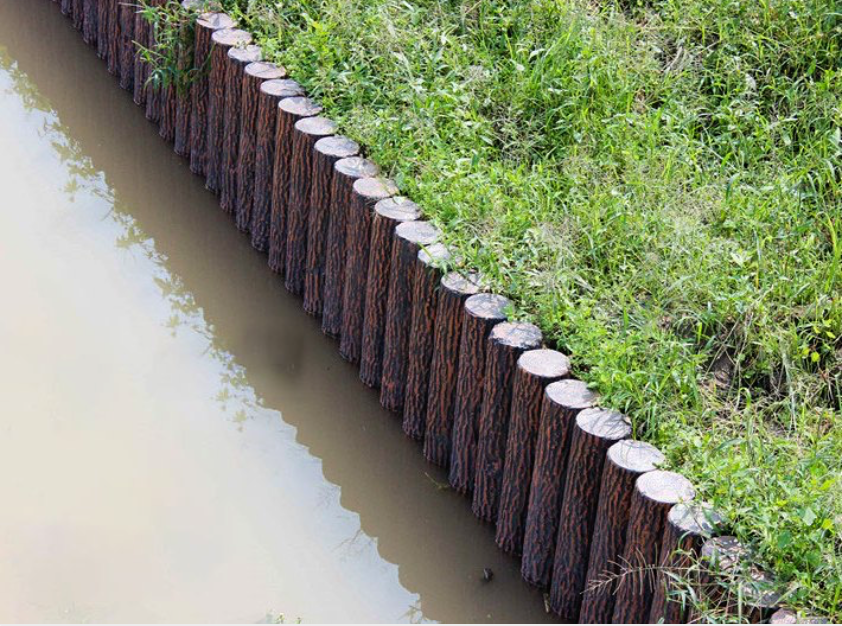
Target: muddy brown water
<point x="178" y="440"/>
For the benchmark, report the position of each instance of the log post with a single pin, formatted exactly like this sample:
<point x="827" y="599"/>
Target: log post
<point x="77" y="14"/>
<point x="482" y="312"/>
<point x="345" y="173"/>
<point x="255" y="74"/>
<point x="306" y="133"/>
<point x="456" y="288"/>
<point x="367" y="192"/>
<point x="104" y="10"/>
<point x="625" y="462"/>
<point x="89" y="29"/>
<point x="788" y="616"/>
<point x="595" y="431"/>
<point x="114" y="37"/>
<point x="506" y="343"/>
<point x="326" y="153"/>
<point x="184" y="97"/>
<point x="223" y="42"/>
<point x="535" y="370"/>
<point x="687" y="528"/>
<point x="206" y="26"/>
<point x="142" y="33"/>
<point x="388" y="214"/>
<point x="272" y="92"/>
<point x="409" y="239"/>
<point x="127" y="48"/>
<point x="422" y="330"/>
<point x="561" y="403"/>
<point x="290" y="111"/>
<point x="167" y="113"/>
<point x="654" y="495"/>
<point x="235" y="71"/>
<point x="67" y="7"/>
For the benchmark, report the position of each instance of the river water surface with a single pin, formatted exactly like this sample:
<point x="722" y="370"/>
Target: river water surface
<point x="178" y="440"/>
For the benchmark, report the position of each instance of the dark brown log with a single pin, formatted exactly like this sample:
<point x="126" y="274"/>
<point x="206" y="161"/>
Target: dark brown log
<point x="561" y="403"/>
<point x="535" y="370"/>
<point x="142" y="34"/>
<point x="367" y="192"/>
<point x="388" y="214"/>
<point x="184" y="94"/>
<point x="223" y="42"/>
<point x="254" y="76"/>
<point x="625" y="463"/>
<point x="104" y="10"/>
<point x="77" y="14"/>
<point x="306" y="133"/>
<point x="326" y="153"/>
<point x="206" y="25"/>
<point x="428" y="273"/>
<point x="506" y="343"/>
<point x="272" y="92"/>
<point x="67" y="7"/>
<point x="168" y="112"/>
<point x="408" y="240"/>
<point x="113" y="38"/>
<point x="127" y="48"/>
<point x="482" y="312"/>
<point x="455" y="289"/>
<point x="595" y="431"/>
<point x="238" y="59"/>
<point x="290" y="111"/>
<point x="89" y="17"/>
<point x="345" y="173"/>
<point x="654" y="495"/>
<point x="687" y="528"/>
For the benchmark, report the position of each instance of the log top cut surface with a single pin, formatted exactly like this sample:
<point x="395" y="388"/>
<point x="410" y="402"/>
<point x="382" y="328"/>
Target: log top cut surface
<point x="398" y="209"/>
<point x="300" y="106"/>
<point x="724" y="553"/>
<point x="375" y="188"/>
<point x="192" y="4"/>
<point x="696" y="519"/>
<point x="788" y="616"/>
<point x="265" y="70"/>
<point x="604" y="424"/>
<point x="758" y="588"/>
<point x="461" y="283"/>
<point x="571" y="394"/>
<point x="665" y="487"/>
<point x="434" y="254"/>
<point x="229" y="37"/>
<point x="282" y="88"/>
<point x="520" y="335"/>
<point x="217" y="21"/>
<point x="245" y="55"/>
<point x="635" y="456"/>
<point x="487" y="306"/>
<point x="356" y="167"/>
<point x="544" y="363"/>
<point x="418" y="232"/>
<point x="316" y="126"/>
<point x="337" y="146"/>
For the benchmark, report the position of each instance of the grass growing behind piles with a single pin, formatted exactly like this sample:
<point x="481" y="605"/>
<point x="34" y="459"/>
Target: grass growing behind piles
<point x="657" y="185"/>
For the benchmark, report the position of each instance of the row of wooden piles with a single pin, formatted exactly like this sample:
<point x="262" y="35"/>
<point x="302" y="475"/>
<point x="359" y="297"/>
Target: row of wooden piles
<point x="594" y="520"/>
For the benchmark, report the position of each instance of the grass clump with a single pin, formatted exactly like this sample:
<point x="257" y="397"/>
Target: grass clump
<point x="657" y="185"/>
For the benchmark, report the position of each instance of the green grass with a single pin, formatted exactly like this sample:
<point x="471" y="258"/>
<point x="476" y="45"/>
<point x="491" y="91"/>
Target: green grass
<point x="657" y="185"/>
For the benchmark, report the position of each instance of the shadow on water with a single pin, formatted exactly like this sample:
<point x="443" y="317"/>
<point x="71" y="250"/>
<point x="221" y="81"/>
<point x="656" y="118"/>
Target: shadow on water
<point x="277" y="350"/>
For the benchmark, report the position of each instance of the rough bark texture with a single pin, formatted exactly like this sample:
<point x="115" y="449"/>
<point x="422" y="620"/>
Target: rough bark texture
<point x="166" y="127"/>
<point x="624" y="463"/>
<point x="654" y="495"/>
<point x="408" y="240"/>
<point x="456" y="288"/>
<point x="238" y="59"/>
<point x="205" y="27"/>
<point x="77" y="14"/>
<point x="104" y="10"/>
<point x="305" y="135"/>
<point x="89" y="18"/>
<point x="254" y="76"/>
<point x="595" y="431"/>
<point x="113" y="39"/>
<point x="506" y="343"/>
<point x="367" y="192"/>
<point x="535" y="370"/>
<point x="223" y="42"/>
<point x="425" y="301"/>
<point x="142" y="34"/>
<point x="290" y="111"/>
<point x="561" y="403"/>
<point x="687" y="528"/>
<point x="482" y="312"/>
<point x="127" y="48"/>
<point x="326" y="153"/>
<point x="272" y="92"/>
<point x="345" y="173"/>
<point x="184" y="97"/>
<point x="388" y="214"/>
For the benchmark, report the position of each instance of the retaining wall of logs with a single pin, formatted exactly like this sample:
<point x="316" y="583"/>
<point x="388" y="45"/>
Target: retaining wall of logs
<point x="595" y="522"/>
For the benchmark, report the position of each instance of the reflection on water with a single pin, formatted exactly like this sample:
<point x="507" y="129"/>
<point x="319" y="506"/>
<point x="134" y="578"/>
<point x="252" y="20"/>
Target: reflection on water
<point x="146" y="469"/>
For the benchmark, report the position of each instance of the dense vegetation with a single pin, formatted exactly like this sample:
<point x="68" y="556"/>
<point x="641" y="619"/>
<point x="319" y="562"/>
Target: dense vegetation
<point x="657" y="185"/>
